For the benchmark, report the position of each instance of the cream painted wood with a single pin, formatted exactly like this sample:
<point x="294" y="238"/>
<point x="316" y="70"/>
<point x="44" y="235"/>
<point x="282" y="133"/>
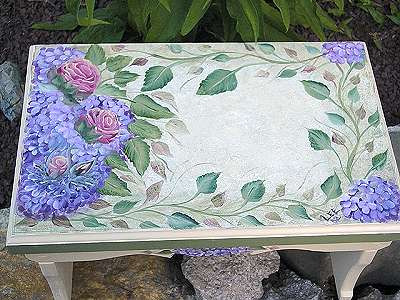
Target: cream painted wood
<point x="348" y="261"/>
<point x="59" y="278"/>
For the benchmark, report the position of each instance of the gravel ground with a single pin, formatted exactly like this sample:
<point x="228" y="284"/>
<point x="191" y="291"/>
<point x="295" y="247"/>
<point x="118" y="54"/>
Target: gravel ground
<point x="16" y="17"/>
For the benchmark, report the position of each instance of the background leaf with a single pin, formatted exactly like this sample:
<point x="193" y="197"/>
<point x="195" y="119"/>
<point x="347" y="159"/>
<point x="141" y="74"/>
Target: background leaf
<point x="123" y="206"/>
<point x="143" y="106"/>
<point x="92" y="222"/>
<point x="122" y="78"/>
<point x="156" y="78"/>
<point x="379" y="160"/>
<point x="316" y="89"/>
<point x="115" y="187"/>
<point x="138" y="153"/>
<point x="207" y="183"/>
<point x="250" y="220"/>
<point x="336" y="118"/>
<point x="119" y="224"/>
<point x="319" y="140"/>
<point x="253" y="191"/>
<point x="217" y="82"/>
<point x="353" y="95"/>
<point x="96" y="54"/>
<point x="116" y="63"/>
<point x="144" y="129"/>
<point x="115" y="161"/>
<point x="148" y="225"/>
<point x="373" y="119"/>
<point x="181" y="221"/>
<point x="332" y="187"/>
<point x="298" y="212"/>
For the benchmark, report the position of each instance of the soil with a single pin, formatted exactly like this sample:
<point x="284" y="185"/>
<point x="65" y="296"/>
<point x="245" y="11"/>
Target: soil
<point x="16" y="17"/>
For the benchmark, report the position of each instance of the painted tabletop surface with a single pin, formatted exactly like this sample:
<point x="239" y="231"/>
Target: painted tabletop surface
<point x="167" y="137"/>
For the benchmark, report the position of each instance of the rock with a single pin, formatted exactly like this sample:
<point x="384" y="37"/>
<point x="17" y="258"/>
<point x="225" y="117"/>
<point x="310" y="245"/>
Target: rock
<point x="21" y="279"/>
<point x="11" y="94"/>
<point x="371" y="293"/>
<point x="315" y="266"/>
<point x="287" y="285"/>
<point x="233" y="277"/>
<point x="4" y="214"/>
<point x="130" y="277"/>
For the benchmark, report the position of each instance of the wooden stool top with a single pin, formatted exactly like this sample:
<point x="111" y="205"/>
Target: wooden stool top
<point x="153" y="146"/>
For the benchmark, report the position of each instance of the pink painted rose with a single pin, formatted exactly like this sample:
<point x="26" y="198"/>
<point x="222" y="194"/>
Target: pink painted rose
<point x="57" y="165"/>
<point x="81" y="74"/>
<point x="105" y="122"/>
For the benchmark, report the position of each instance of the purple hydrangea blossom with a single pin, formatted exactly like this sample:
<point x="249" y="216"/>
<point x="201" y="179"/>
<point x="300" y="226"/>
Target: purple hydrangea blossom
<point x="50" y="59"/>
<point x="42" y="195"/>
<point x="342" y="52"/>
<point x="211" y="251"/>
<point x="372" y="200"/>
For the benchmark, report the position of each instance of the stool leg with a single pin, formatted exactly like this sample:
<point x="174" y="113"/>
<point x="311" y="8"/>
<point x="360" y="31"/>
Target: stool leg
<point x="347" y="266"/>
<point x="59" y="278"/>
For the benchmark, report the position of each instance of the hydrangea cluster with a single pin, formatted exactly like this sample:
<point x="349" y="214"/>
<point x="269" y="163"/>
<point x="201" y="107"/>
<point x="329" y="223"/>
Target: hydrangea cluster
<point x="50" y="59"/>
<point x="62" y="168"/>
<point x="344" y="52"/>
<point x="212" y="251"/>
<point x="372" y="200"/>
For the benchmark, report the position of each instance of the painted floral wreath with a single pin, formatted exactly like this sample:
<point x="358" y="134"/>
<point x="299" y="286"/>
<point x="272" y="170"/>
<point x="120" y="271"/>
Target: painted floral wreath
<point x="79" y="129"/>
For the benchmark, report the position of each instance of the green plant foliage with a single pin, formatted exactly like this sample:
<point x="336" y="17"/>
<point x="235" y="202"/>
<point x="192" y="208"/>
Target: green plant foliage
<point x="215" y="20"/>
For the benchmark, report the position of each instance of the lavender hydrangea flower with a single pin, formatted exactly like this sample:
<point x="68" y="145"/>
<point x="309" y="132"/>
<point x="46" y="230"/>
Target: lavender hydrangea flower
<point x="53" y="185"/>
<point x="50" y="59"/>
<point x="342" y="52"/>
<point x="211" y="251"/>
<point x="372" y="200"/>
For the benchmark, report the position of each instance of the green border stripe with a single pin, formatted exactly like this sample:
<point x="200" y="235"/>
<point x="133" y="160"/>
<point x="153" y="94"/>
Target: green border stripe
<point x="173" y="244"/>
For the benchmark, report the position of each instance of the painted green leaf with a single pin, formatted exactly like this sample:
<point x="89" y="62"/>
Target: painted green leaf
<point x="92" y="222"/>
<point x="298" y="212"/>
<point x="207" y="183"/>
<point x="266" y="48"/>
<point x="144" y="106"/>
<point x="332" y="187"/>
<point x="116" y="162"/>
<point x="86" y="131"/>
<point x="218" y="81"/>
<point x="222" y="58"/>
<point x="138" y="153"/>
<point x="116" y="63"/>
<point x="156" y="78"/>
<point x="313" y="50"/>
<point x="283" y="6"/>
<point x="96" y="54"/>
<point x="196" y="11"/>
<point x="122" y="78"/>
<point x="115" y="186"/>
<point x="373" y="119"/>
<point x="379" y="160"/>
<point x="144" y="129"/>
<point x="319" y="140"/>
<point x="181" y="221"/>
<point x="353" y="95"/>
<point x="336" y="118"/>
<point x="107" y="89"/>
<point x="316" y="89"/>
<point x="148" y="224"/>
<point x="123" y="206"/>
<point x="253" y="191"/>
<point x="250" y="221"/>
<point x="175" y="48"/>
<point x="287" y="73"/>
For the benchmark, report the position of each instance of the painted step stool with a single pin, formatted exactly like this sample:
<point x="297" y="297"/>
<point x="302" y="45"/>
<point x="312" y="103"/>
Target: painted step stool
<point x="155" y="148"/>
